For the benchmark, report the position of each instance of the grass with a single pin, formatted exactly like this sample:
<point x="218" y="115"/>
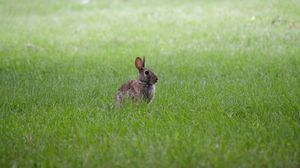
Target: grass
<point x="228" y="92"/>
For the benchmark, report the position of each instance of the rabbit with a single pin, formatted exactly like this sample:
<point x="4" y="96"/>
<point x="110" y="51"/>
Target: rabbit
<point x="139" y="90"/>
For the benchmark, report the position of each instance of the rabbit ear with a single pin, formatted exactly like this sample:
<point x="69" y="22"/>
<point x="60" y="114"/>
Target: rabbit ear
<point x="144" y="61"/>
<point x="139" y="63"/>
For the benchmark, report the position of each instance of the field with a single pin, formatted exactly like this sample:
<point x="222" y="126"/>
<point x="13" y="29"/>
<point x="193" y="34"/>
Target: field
<point x="228" y="93"/>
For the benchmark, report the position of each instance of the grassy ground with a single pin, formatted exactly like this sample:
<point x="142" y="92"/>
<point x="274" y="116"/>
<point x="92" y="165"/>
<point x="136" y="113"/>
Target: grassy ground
<point x="228" y="92"/>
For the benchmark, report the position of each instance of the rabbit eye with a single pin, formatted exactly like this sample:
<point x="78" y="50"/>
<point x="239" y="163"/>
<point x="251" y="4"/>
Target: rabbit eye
<point x="146" y="72"/>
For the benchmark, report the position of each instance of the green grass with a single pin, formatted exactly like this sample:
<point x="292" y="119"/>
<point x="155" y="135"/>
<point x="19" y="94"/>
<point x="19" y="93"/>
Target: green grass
<point x="228" y="93"/>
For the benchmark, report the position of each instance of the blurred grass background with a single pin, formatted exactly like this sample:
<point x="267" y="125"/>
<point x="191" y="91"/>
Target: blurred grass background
<point x="228" y="92"/>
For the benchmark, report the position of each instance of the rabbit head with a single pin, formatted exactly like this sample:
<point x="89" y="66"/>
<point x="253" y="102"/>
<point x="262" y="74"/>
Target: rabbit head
<point x="145" y="75"/>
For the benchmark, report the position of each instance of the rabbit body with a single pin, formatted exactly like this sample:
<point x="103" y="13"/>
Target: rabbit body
<point x="136" y="90"/>
<point x="142" y="89"/>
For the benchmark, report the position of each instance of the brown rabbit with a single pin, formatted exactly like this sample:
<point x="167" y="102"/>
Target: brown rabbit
<point x="142" y="89"/>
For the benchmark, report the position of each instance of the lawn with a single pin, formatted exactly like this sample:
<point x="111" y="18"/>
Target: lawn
<point x="228" y="93"/>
